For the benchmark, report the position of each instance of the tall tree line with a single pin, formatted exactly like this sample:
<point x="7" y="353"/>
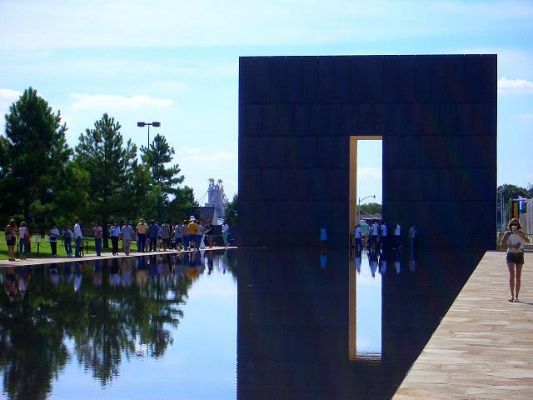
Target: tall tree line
<point x="44" y="181"/>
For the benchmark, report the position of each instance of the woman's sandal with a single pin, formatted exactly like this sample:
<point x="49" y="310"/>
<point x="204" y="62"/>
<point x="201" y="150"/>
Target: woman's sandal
<point x="516" y="300"/>
<point x="511" y="299"/>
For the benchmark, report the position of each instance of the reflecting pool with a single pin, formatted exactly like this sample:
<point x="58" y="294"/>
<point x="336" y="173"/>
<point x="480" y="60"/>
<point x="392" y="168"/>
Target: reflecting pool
<point x="245" y="324"/>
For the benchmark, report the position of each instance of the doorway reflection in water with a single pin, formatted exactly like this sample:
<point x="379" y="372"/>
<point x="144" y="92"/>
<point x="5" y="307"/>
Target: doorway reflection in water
<point x="250" y="324"/>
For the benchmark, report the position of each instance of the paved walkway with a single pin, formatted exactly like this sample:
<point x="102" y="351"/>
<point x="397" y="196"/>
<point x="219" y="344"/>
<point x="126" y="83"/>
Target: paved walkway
<point x="483" y="349"/>
<point x="105" y="255"/>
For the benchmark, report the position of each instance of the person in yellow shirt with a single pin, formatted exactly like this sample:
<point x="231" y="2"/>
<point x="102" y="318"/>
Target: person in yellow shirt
<point x="192" y="232"/>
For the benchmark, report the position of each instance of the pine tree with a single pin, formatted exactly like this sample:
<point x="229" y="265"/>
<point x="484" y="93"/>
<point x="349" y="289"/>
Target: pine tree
<point x="110" y="165"/>
<point x="166" y="179"/>
<point x="33" y="156"/>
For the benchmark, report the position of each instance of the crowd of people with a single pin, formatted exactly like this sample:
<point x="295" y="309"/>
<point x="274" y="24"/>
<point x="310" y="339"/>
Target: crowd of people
<point x="187" y="235"/>
<point x="378" y="237"/>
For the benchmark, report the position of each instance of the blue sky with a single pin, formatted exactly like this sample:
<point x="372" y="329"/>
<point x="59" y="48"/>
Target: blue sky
<point x="177" y="62"/>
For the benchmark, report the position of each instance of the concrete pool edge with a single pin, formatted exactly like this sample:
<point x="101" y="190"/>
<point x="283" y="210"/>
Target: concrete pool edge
<point x="105" y="256"/>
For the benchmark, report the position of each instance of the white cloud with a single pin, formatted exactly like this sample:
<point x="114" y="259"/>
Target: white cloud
<point x="197" y="155"/>
<point x="9" y="95"/>
<point x="514" y="86"/>
<point x="165" y="23"/>
<point x="84" y="101"/>
<point x="369" y="174"/>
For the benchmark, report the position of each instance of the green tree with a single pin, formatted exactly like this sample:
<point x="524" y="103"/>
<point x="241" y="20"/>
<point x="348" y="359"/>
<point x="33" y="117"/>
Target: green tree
<point x="232" y="215"/>
<point x="157" y="156"/>
<point x="371" y="208"/>
<point x="505" y="193"/>
<point x="33" y="156"/>
<point x="110" y="164"/>
<point x="183" y="205"/>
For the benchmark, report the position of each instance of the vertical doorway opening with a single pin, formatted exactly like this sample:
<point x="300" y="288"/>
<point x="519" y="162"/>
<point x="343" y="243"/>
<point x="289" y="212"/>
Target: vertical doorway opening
<point x="365" y="308"/>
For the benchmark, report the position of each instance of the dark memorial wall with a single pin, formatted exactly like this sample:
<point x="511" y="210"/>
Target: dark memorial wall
<point x="437" y="119"/>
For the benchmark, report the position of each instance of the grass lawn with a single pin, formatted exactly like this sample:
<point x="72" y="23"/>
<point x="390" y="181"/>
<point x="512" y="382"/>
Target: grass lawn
<point x="44" y="250"/>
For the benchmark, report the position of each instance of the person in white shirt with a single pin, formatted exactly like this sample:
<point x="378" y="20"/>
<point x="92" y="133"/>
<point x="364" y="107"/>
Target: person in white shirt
<point x="225" y="233"/>
<point x="78" y="237"/>
<point x="54" y="235"/>
<point x="373" y="241"/>
<point x="358" y="235"/>
<point x="514" y="238"/>
<point x="24" y="240"/>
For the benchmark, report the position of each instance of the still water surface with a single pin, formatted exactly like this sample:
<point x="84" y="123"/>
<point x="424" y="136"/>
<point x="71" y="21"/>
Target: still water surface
<point x="246" y="324"/>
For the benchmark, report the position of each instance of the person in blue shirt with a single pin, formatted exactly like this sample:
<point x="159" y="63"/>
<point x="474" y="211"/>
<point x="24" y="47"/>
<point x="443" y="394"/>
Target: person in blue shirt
<point x="153" y="232"/>
<point x="114" y="234"/>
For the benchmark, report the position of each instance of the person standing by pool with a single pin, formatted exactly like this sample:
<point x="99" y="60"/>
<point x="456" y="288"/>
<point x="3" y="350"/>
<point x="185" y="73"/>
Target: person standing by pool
<point x="127" y="237"/>
<point x="97" y="234"/>
<point x="114" y="234"/>
<point x="153" y="232"/>
<point x="177" y="235"/>
<point x="141" y="230"/>
<point x="24" y="240"/>
<point x="67" y="241"/>
<point x="358" y="235"/>
<point x="191" y="232"/>
<point x="78" y="237"/>
<point x="54" y="234"/>
<point x="514" y="238"/>
<point x="167" y="229"/>
<point x="11" y="239"/>
<point x="225" y="233"/>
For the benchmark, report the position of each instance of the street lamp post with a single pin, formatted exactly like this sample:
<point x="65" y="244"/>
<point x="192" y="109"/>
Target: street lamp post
<point x="359" y="206"/>
<point x="155" y="124"/>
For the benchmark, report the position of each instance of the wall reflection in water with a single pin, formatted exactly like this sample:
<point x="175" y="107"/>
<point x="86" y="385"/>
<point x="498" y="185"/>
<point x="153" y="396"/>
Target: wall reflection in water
<point x="98" y="314"/>
<point x="299" y="335"/>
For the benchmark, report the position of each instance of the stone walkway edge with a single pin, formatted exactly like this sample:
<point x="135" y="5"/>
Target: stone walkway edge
<point x="483" y="348"/>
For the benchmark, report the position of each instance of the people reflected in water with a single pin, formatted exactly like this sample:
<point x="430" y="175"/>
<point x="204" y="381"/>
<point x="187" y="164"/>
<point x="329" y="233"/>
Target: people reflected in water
<point x="10" y="283"/>
<point x="396" y="262"/>
<point x="24" y="278"/>
<point x="383" y="262"/>
<point x="124" y="305"/>
<point x="78" y="276"/>
<point x="373" y="262"/>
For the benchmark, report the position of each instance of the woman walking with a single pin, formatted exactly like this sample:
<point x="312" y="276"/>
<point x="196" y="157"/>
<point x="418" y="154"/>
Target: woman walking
<point x="514" y="238"/>
<point x="11" y="239"/>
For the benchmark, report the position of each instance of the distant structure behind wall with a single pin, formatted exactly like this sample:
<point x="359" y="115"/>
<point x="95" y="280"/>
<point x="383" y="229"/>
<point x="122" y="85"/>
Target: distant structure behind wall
<point x="217" y="199"/>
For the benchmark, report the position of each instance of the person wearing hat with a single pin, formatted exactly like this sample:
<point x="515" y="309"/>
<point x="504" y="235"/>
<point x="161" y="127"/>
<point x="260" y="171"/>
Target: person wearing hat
<point x="192" y="232"/>
<point x="141" y="230"/>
